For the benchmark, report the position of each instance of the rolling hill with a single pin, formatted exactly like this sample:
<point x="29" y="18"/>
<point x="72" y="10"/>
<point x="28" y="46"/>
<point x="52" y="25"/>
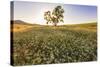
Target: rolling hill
<point x="39" y="44"/>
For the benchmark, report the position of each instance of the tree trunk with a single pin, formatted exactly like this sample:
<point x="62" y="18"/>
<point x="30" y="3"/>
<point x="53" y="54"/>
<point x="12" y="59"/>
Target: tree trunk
<point x="55" y="24"/>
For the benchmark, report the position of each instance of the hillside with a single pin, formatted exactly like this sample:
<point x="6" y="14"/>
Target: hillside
<point x="21" y="25"/>
<point x="49" y="44"/>
<point x="19" y="22"/>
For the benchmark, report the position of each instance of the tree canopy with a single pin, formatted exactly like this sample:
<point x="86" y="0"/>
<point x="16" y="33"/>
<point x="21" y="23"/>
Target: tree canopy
<point x="55" y="16"/>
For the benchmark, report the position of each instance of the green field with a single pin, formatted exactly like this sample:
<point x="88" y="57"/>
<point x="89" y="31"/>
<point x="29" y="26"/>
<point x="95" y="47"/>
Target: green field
<point x="62" y="44"/>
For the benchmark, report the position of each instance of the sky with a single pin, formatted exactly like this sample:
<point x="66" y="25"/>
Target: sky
<point x="33" y="12"/>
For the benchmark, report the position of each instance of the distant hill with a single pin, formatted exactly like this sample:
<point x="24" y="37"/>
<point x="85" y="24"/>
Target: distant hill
<point x="83" y="24"/>
<point x="22" y="22"/>
<point x="92" y="24"/>
<point x="18" y="22"/>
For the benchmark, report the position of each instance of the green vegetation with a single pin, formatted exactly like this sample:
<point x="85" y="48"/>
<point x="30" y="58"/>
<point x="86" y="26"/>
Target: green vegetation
<point x="55" y="17"/>
<point x="50" y="44"/>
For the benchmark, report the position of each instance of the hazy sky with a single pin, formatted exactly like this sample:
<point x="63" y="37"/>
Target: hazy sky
<point x="33" y="12"/>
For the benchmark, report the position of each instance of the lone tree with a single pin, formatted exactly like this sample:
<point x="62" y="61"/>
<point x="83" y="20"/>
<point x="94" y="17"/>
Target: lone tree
<point x="55" y="16"/>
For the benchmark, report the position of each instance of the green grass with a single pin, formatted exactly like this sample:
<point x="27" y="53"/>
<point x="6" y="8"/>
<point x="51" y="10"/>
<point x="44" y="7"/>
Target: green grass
<point x="48" y="44"/>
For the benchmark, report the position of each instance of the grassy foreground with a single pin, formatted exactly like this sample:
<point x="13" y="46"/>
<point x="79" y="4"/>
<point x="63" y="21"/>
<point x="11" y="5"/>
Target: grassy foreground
<point x="61" y="44"/>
